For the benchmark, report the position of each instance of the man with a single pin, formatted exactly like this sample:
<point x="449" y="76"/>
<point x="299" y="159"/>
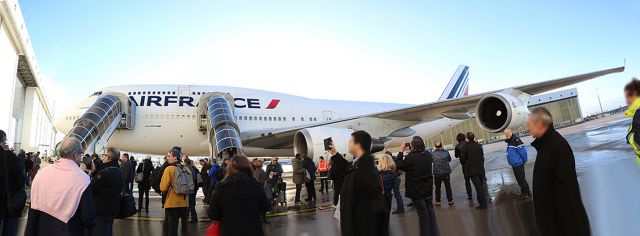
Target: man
<point x="442" y="172"/>
<point x="68" y="212"/>
<point x="517" y="157"/>
<point x="127" y="173"/>
<point x="274" y="175"/>
<point x="339" y="167"/>
<point x="556" y="195"/>
<point x="206" y="180"/>
<point x="472" y="159"/>
<point x="298" y="176"/>
<point x="86" y="160"/>
<point x="107" y="186"/>
<point x="175" y="205"/>
<point x="417" y="166"/>
<point x="10" y="179"/>
<point x="97" y="163"/>
<point x="307" y="164"/>
<point x="323" y="170"/>
<point x="396" y="184"/>
<point x="213" y="177"/>
<point x="134" y="165"/>
<point x="361" y="191"/>
<point x="462" y="140"/>
<point x="632" y="97"/>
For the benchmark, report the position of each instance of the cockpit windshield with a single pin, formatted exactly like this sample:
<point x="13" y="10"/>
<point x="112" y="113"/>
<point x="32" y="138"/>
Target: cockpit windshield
<point x="97" y="93"/>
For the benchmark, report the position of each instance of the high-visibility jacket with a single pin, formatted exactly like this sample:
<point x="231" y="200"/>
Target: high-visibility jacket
<point x="323" y="166"/>
<point x="633" y="133"/>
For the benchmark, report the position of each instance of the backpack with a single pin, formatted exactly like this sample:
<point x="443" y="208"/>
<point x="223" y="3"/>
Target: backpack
<point x="183" y="181"/>
<point x="156" y="178"/>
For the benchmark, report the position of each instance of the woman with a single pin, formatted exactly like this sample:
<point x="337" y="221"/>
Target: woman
<point x="145" y="185"/>
<point x="192" y="197"/>
<point x="387" y="169"/>
<point x="238" y="201"/>
<point x="419" y="184"/>
<point x="632" y="96"/>
<point x="261" y="177"/>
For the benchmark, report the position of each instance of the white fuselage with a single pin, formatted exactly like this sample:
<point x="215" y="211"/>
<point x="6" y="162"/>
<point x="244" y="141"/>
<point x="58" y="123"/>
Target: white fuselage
<point x="166" y="116"/>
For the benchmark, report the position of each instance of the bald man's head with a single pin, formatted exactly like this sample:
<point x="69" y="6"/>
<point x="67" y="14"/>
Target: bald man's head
<point x="70" y="148"/>
<point x="508" y="133"/>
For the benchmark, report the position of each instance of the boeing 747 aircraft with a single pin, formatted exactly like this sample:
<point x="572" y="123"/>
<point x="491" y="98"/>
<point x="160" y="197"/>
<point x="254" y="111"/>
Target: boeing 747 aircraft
<point x="208" y="120"/>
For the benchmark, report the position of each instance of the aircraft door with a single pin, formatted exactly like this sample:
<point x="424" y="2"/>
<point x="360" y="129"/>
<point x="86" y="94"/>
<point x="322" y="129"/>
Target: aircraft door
<point x="184" y="90"/>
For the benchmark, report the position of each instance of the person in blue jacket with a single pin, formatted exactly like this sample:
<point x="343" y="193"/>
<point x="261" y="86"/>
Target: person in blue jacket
<point x="517" y="157"/>
<point x="213" y="176"/>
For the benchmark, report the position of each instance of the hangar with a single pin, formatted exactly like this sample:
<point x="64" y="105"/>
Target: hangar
<point x="27" y="114"/>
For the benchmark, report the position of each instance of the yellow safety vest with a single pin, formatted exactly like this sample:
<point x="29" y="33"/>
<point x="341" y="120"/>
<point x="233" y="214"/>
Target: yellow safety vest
<point x="630" y="134"/>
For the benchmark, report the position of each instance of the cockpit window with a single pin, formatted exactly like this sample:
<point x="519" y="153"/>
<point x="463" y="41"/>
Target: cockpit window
<point x="97" y="93"/>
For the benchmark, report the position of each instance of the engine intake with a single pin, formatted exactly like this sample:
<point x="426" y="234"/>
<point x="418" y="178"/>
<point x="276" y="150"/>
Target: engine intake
<point x="499" y="111"/>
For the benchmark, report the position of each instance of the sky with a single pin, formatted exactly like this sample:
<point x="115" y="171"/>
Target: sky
<point x="383" y="51"/>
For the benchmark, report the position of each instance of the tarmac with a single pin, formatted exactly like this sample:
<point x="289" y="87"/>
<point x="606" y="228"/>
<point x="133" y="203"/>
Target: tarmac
<point x="607" y="174"/>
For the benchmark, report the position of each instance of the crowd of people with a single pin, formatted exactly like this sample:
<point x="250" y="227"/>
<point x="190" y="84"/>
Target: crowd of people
<point x="82" y="194"/>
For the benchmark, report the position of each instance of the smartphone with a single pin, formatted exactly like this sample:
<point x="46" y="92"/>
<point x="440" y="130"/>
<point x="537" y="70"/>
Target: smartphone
<point x="328" y="142"/>
<point x="407" y="144"/>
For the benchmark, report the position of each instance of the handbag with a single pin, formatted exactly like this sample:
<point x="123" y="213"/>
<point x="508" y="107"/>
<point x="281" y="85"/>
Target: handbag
<point x="214" y="229"/>
<point x="139" y="176"/>
<point x="15" y="202"/>
<point x="127" y="206"/>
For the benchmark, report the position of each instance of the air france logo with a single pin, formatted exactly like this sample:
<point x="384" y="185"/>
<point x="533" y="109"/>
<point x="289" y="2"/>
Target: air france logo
<point x="182" y="101"/>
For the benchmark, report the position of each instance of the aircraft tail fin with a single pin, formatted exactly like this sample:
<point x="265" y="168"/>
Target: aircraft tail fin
<point x="458" y="85"/>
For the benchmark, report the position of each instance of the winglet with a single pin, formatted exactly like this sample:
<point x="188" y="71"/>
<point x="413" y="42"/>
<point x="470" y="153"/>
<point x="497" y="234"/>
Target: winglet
<point x="458" y="85"/>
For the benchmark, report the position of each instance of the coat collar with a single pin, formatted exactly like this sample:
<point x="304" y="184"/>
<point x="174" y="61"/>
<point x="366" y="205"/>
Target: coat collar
<point x="539" y="142"/>
<point x="632" y="108"/>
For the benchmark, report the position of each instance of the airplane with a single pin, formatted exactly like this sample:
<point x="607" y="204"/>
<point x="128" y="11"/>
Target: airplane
<point x="153" y="118"/>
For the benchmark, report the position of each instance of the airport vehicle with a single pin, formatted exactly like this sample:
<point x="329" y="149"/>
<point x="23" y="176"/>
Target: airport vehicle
<point x="212" y="120"/>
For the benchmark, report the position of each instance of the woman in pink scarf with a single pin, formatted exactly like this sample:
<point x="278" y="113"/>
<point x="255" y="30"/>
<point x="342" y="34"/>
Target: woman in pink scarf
<point x="60" y="198"/>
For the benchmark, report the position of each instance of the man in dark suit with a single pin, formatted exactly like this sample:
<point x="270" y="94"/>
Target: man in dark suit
<point x="361" y="193"/>
<point x="556" y="194"/>
<point x="472" y="159"/>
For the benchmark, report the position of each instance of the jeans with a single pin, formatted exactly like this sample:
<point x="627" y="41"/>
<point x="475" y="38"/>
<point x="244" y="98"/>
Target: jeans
<point x="447" y="186"/>
<point x="298" y="190"/>
<point x="192" y="207"/>
<point x="103" y="227"/>
<point x="311" y="190"/>
<point x="397" y="195"/>
<point x="426" y="216"/>
<point x="172" y="218"/>
<point x="478" y="182"/>
<point x="467" y="184"/>
<point x="518" y="171"/>
<point x="324" y="182"/>
<point x="9" y="226"/>
<point x="143" y="195"/>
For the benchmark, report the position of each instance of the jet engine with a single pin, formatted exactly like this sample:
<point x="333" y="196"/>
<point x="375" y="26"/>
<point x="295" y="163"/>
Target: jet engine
<point x="499" y="111"/>
<point x="310" y="141"/>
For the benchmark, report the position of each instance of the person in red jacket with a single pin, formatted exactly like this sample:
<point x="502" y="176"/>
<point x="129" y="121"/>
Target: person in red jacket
<point x="323" y="170"/>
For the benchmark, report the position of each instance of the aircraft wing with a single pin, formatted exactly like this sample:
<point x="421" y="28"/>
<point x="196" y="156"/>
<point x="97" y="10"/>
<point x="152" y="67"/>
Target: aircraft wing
<point x="452" y="108"/>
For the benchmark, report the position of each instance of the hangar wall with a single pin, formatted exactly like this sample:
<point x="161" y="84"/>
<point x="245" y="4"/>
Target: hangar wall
<point x="25" y="110"/>
<point x="563" y="105"/>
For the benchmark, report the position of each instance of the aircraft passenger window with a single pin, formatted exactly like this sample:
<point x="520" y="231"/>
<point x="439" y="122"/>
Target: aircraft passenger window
<point x="146" y="116"/>
<point x="255" y="118"/>
<point x="269" y="118"/>
<point x="293" y="118"/>
<point x="188" y="116"/>
<point x="129" y="93"/>
<point x="279" y="118"/>
<point x="250" y="118"/>
<point x="162" y="116"/>
<point x="173" y="92"/>
<point x="183" y="116"/>
<point x="193" y="93"/>
<point x="157" y="116"/>
<point x="145" y="92"/>
<point x="301" y="118"/>
<point x="173" y="116"/>
<point x="261" y="118"/>
<point x="284" y="118"/>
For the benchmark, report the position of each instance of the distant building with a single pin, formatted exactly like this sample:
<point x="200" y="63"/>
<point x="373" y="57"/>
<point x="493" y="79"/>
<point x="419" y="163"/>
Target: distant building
<point x="563" y="105"/>
<point x="25" y="110"/>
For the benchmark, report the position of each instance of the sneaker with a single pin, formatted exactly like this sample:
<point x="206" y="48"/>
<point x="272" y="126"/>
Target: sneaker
<point x="397" y="211"/>
<point x="438" y="204"/>
<point x="451" y="203"/>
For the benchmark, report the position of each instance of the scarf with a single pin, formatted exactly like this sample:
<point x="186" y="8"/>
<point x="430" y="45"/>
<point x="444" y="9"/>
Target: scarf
<point x="57" y="189"/>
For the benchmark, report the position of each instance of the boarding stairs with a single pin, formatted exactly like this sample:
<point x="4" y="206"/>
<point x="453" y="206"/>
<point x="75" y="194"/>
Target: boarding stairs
<point x="217" y="121"/>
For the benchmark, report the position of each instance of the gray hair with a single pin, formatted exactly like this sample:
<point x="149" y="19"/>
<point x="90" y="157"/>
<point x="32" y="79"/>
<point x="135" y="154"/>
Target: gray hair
<point x="69" y="147"/>
<point x="541" y="114"/>
<point x="113" y="153"/>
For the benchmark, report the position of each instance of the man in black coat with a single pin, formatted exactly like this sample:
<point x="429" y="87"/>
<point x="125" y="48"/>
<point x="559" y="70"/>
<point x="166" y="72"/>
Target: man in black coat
<point x="307" y="163"/>
<point x="417" y="166"/>
<point x="462" y="140"/>
<point x="339" y="167"/>
<point x="107" y="186"/>
<point x="362" y="192"/>
<point x="556" y="194"/>
<point x="206" y="180"/>
<point x="127" y="173"/>
<point x="11" y="180"/>
<point x="472" y="159"/>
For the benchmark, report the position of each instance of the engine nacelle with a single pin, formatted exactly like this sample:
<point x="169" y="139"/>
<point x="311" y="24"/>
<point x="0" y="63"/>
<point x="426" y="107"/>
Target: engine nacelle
<point x="498" y="111"/>
<point x="311" y="141"/>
